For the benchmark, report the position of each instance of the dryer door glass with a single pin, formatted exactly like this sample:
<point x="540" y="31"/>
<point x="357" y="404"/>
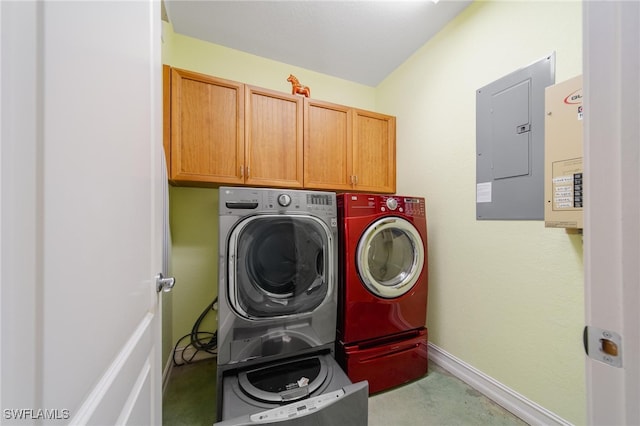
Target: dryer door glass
<point x="390" y="257"/>
<point x="280" y="265"/>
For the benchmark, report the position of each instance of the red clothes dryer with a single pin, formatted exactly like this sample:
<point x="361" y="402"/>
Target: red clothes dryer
<point x="382" y="304"/>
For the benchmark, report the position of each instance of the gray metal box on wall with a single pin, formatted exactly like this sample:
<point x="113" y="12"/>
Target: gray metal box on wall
<point x="510" y="144"/>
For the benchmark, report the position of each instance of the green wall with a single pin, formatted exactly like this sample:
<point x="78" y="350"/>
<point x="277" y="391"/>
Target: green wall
<point x="505" y="297"/>
<point x="185" y="52"/>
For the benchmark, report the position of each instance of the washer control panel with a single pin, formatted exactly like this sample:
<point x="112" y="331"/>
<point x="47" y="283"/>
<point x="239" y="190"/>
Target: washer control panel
<point x="301" y="201"/>
<point x="297" y="409"/>
<point x="284" y="200"/>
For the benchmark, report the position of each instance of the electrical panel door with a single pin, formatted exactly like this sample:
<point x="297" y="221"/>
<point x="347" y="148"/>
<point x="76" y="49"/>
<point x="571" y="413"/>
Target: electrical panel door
<point x="510" y="144"/>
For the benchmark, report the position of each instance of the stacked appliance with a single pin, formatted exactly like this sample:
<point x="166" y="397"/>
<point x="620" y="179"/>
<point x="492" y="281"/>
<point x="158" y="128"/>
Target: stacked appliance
<point x="277" y="293"/>
<point x="381" y="329"/>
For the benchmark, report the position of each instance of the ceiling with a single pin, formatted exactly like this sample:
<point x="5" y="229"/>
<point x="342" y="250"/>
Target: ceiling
<point x="360" y="40"/>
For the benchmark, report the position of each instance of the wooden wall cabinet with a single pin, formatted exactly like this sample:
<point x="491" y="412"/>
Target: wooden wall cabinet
<point x="273" y="138"/>
<point x="328" y="146"/>
<point x="348" y="149"/>
<point x="206" y="135"/>
<point x="221" y="132"/>
<point x="374" y="152"/>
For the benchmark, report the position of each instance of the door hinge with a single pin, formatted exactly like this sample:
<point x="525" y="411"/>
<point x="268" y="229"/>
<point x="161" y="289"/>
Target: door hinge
<point x="603" y="345"/>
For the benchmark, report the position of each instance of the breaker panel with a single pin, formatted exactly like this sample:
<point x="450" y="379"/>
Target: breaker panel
<point x="510" y="143"/>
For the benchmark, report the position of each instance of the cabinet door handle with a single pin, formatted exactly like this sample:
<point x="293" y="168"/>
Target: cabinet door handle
<point x="355" y="177"/>
<point x="247" y="171"/>
<point x="241" y="171"/>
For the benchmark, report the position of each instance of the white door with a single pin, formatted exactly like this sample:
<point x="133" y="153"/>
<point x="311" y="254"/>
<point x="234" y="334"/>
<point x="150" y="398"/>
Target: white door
<point x="81" y="212"/>
<point x="612" y="209"/>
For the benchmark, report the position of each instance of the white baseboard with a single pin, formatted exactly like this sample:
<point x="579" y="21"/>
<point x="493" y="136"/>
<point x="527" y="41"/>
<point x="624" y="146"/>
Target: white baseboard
<point x="166" y="373"/>
<point x="191" y="354"/>
<point x="177" y="354"/>
<point x="512" y="401"/>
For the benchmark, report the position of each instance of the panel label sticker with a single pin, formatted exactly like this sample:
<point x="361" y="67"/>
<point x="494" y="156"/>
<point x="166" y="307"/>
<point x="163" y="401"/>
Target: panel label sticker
<point x="483" y="192"/>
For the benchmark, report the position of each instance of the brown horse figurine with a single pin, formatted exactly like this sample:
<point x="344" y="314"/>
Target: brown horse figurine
<point x="297" y="88"/>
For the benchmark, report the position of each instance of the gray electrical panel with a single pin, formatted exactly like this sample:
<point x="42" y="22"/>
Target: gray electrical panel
<point x="510" y="144"/>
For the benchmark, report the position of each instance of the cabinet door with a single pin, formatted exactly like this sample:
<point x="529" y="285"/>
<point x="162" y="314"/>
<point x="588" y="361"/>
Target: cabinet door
<point x="207" y="129"/>
<point x="273" y="132"/>
<point x="327" y="146"/>
<point x="374" y="152"/>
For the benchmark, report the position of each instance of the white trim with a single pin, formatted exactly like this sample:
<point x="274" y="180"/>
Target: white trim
<point x="1" y="204"/>
<point x="166" y="373"/>
<point x="509" y="399"/>
<point x="176" y="352"/>
<point x="199" y="356"/>
<point x="21" y="195"/>
<point x="612" y="221"/>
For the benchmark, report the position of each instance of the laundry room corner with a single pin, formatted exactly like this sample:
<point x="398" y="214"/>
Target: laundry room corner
<point x="194" y="261"/>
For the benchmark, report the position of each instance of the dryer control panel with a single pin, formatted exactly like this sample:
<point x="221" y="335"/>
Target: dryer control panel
<point x="366" y="204"/>
<point x="412" y="206"/>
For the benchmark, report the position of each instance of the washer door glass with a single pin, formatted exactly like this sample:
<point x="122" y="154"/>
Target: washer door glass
<point x="285" y="382"/>
<point x="279" y="265"/>
<point x="390" y="257"/>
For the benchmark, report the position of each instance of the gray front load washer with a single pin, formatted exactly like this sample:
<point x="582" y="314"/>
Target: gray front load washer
<point x="278" y="271"/>
<point x="304" y="390"/>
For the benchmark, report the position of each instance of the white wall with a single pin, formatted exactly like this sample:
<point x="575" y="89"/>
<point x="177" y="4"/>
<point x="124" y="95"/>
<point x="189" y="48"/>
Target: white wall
<point x="505" y="297"/>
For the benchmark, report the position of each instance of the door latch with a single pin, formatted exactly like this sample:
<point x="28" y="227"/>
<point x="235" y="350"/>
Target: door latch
<point x="603" y="345"/>
<point x="164" y="284"/>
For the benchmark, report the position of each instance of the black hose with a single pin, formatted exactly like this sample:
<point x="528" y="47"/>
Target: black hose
<point x="205" y="341"/>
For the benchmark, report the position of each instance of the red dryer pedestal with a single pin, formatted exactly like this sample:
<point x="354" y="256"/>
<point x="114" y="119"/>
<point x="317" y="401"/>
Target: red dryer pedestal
<point x="382" y="303"/>
<point x="386" y="363"/>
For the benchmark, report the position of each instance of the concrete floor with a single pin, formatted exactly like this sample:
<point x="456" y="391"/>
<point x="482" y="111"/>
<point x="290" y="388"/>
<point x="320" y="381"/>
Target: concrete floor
<point x="436" y="399"/>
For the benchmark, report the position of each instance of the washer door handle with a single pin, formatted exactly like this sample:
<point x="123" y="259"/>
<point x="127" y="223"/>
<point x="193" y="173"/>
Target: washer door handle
<point x="294" y="394"/>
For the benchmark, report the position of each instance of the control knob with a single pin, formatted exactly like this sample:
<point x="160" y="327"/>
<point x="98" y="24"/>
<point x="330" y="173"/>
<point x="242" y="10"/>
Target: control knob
<point x="284" y="200"/>
<point x="392" y="203"/>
